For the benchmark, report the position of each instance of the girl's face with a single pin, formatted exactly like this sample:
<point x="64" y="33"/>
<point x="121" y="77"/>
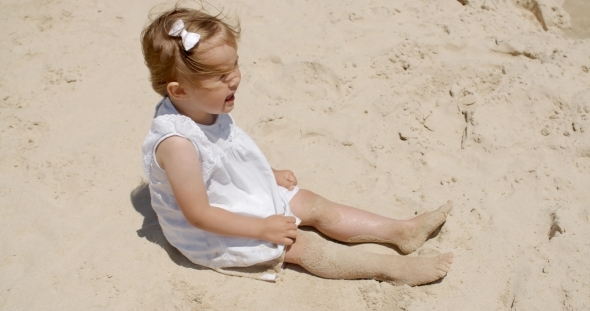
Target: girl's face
<point x="216" y="96"/>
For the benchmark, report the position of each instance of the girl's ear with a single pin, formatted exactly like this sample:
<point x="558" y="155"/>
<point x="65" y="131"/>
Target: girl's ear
<point x="176" y="91"/>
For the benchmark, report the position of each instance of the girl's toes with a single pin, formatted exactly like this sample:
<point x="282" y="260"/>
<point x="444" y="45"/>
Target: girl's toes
<point x="442" y="267"/>
<point x="448" y="257"/>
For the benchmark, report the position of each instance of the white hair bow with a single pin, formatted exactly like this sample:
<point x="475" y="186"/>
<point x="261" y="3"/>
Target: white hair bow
<point x="189" y="39"/>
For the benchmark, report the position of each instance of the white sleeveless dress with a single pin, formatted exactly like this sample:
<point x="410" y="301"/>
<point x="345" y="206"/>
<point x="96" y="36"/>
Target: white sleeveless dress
<point x="238" y="178"/>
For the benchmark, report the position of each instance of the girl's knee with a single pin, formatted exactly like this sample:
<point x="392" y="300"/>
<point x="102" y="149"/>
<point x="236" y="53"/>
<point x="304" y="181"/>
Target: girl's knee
<point x="313" y="209"/>
<point x="300" y="205"/>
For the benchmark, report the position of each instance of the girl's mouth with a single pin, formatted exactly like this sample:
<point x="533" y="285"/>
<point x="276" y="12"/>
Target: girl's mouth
<point x="230" y="98"/>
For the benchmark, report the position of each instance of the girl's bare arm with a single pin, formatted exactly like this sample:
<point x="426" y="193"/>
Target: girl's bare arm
<point x="178" y="157"/>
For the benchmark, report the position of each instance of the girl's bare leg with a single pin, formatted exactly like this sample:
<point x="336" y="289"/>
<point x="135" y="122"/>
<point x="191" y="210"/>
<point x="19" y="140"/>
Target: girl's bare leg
<point x="334" y="261"/>
<point x="352" y="225"/>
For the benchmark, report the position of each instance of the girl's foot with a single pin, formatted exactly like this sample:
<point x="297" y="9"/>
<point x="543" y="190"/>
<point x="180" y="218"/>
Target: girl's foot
<point x="419" y="270"/>
<point x="420" y="228"/>
<point x="410" y="234"/>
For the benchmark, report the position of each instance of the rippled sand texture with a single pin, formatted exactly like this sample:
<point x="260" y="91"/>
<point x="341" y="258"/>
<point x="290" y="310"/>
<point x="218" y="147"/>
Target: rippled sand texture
<point x="393" y="106"/>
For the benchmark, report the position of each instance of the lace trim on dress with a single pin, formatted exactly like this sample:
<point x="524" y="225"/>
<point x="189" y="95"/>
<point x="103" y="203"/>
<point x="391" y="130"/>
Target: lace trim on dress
<point x="171" y="123"/>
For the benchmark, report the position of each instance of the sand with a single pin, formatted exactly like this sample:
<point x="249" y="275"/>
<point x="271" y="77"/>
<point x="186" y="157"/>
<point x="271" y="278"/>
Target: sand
<point x="389" y="105"/>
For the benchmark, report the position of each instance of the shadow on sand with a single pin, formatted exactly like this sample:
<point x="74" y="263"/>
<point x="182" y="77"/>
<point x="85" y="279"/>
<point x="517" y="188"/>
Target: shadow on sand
<point x="151" y="230"/>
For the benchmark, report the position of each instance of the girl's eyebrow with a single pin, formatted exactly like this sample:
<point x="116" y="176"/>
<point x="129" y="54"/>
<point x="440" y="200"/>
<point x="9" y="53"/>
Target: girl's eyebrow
<point x="235" y="64"/>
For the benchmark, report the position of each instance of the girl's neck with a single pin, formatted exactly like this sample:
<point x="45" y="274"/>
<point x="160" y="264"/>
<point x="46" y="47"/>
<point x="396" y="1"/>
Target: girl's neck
<point x="197" y="116"/>
<point x="204" y="119"/>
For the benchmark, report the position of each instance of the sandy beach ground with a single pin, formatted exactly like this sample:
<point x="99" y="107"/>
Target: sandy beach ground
<point x="389" y="105"/>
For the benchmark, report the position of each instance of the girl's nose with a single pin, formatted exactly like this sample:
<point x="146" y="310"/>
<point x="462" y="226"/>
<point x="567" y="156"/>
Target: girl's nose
<point x="234" y="79"/>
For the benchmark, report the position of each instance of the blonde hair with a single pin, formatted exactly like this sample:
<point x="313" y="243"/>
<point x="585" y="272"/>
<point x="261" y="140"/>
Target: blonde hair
<point x="165" y="56"/>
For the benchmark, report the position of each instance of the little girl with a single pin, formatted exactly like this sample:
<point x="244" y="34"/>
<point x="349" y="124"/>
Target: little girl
<point x="218" y="200"/>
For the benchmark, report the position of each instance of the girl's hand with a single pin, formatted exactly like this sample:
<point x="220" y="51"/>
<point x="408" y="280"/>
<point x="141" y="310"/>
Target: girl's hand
<point x="285" y="178"/>
<point x="279" y="229"/>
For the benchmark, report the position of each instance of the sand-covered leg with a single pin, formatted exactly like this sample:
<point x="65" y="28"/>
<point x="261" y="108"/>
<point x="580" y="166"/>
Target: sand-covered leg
<point x="352" y="225"/>
<point x="334" y="261"/>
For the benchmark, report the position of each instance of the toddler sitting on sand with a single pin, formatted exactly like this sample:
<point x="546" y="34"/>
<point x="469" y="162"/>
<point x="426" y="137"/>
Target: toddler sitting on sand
<point x="218" y="200"/>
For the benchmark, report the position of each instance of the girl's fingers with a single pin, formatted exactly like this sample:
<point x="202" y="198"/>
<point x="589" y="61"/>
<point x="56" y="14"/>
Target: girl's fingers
<point x="287" y="183"/>
<point x="287" y="241"/>
<point x="292" y="234"/>
<point x="291" y="178"/>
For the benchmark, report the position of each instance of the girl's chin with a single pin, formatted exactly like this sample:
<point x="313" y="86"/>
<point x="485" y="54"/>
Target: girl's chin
<point x="226" y="110"/>
<point x="229" y="106"/>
